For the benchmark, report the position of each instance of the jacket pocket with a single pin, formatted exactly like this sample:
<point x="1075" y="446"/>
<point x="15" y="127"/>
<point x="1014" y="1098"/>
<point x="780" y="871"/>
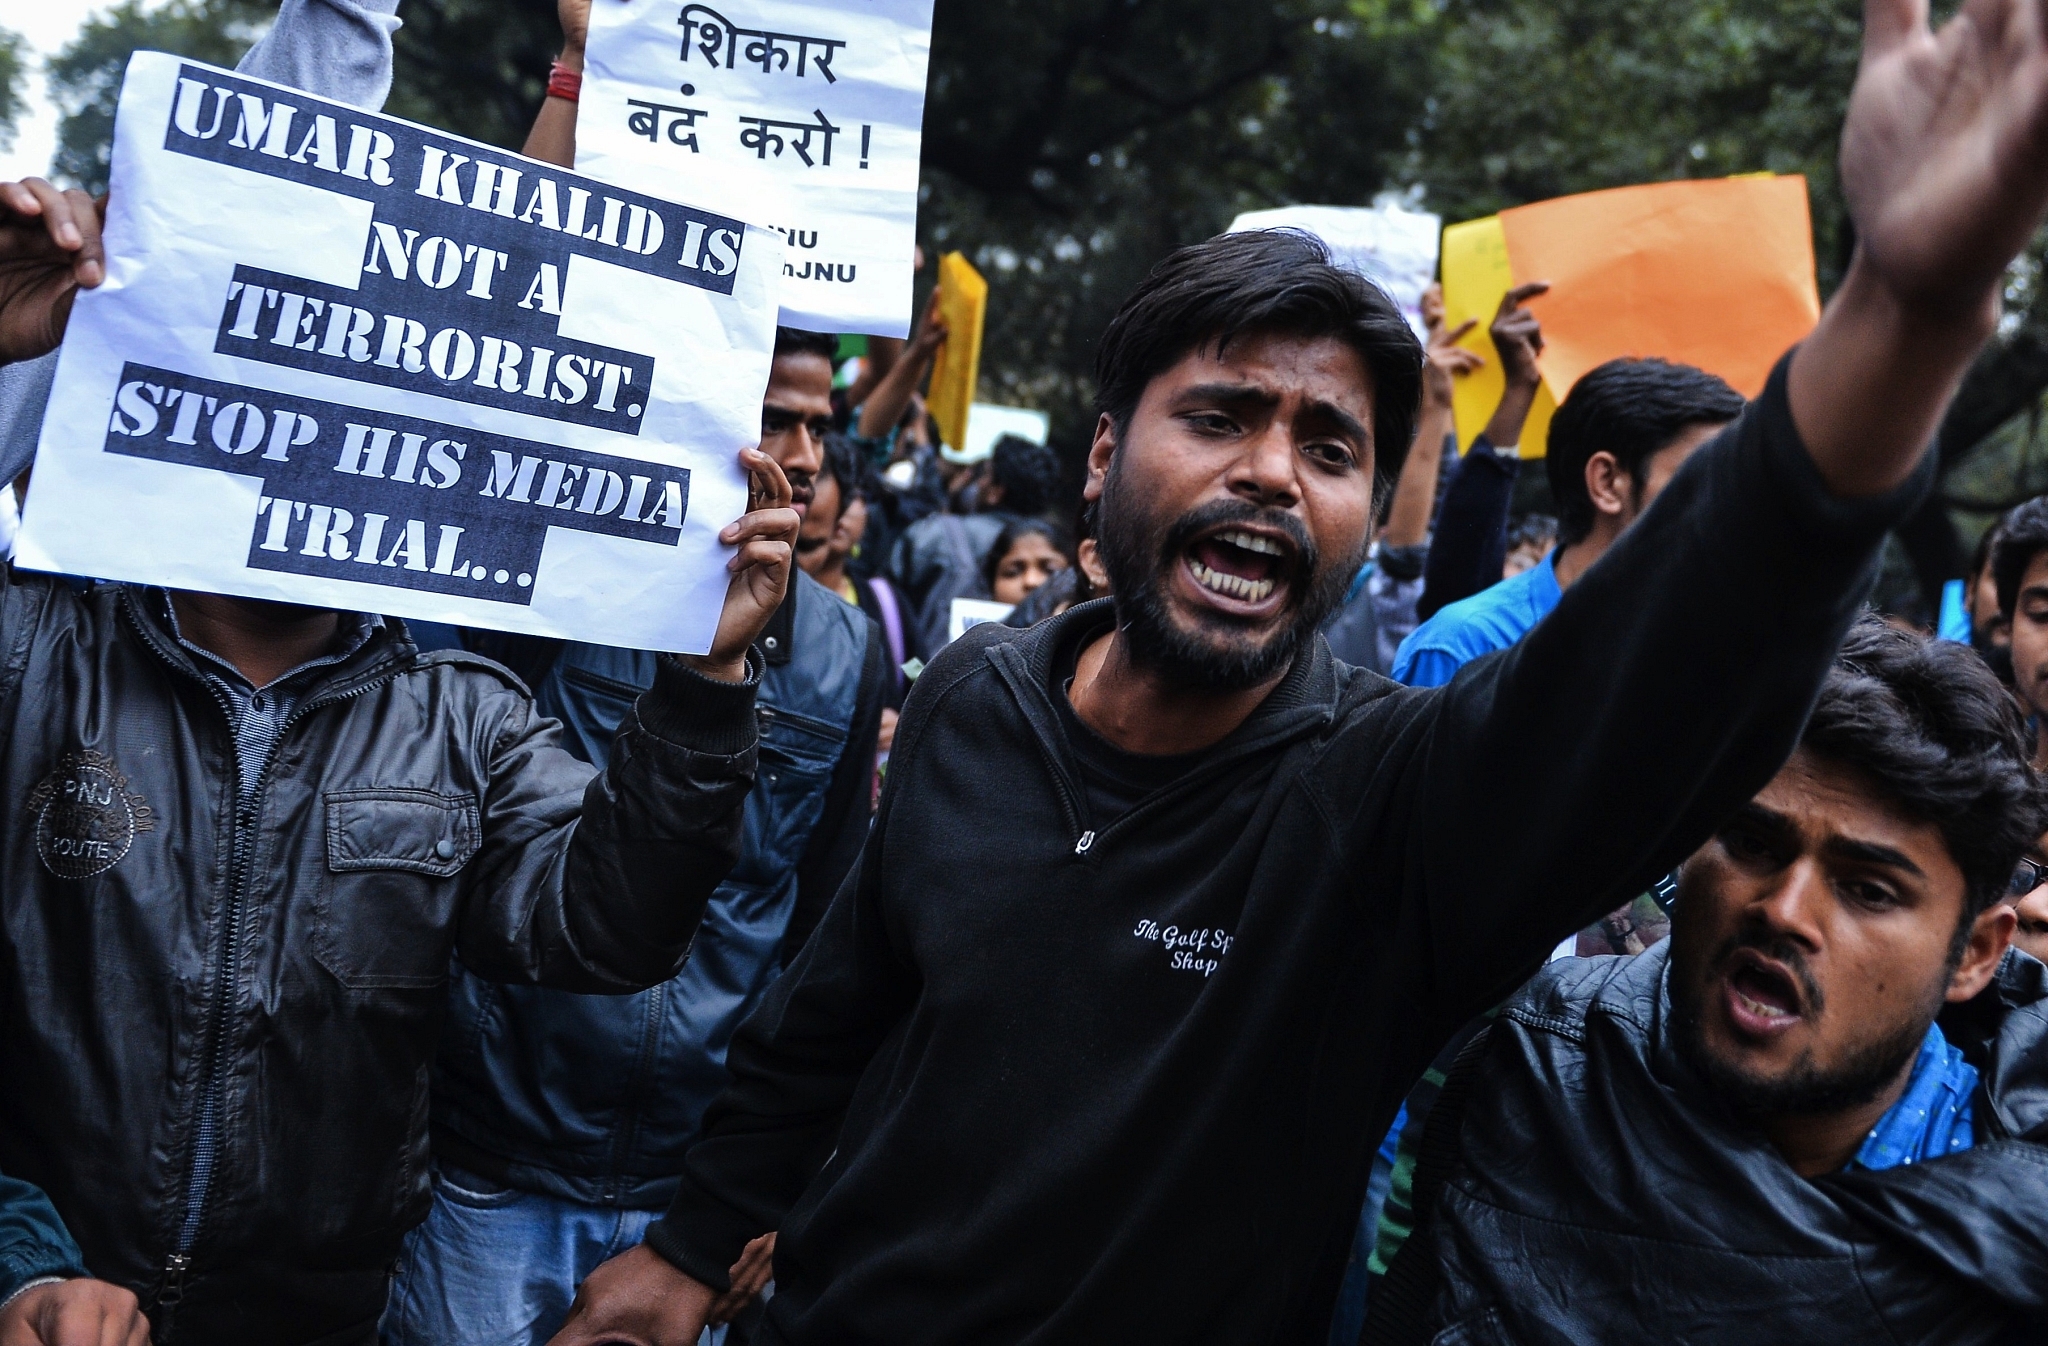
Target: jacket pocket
<point x="387" y="904"/>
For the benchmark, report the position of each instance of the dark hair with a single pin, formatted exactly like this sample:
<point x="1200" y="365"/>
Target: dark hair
<point x="1028" y="473"/>
<point x="1631" y="409"/>
<point x="1532" y="530"/>
<point x="1263" y="280"/>
<point x="2022" y="535"/>
<point x="843" y="465"/>
<point x="796" y="341"/>
<point x="1013" y="533"/>
<point x="1929" y="726"/>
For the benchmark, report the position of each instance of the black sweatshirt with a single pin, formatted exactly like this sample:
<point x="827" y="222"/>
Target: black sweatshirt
<point x="1123" y="1082"/>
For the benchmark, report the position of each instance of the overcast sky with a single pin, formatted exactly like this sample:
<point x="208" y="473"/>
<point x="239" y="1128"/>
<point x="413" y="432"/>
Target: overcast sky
<point x="48" y="25"/>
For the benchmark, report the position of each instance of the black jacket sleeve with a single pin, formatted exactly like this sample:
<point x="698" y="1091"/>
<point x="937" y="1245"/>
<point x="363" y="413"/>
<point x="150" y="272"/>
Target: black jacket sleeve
<point x="1470" y="544"/>
<point x="1666" y="689"/>
<point x="597" y="883"/>
<point x="836" y="841"/>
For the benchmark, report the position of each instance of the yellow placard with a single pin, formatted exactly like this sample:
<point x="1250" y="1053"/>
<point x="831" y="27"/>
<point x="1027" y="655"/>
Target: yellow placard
<point x="963" y="305"/>
<point x="1476" y="275"/>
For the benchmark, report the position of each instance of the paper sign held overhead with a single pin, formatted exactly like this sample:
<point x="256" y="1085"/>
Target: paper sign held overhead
<point x="1717" y="274"/>
<point x="1476" y="275"/>
<point x="1394" y="248"/>
<point x="804" y="116"/>
<point x="348" y="361"/>
<point x="963" y="305"/>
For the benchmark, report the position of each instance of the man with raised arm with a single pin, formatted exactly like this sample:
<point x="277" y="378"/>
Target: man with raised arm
<point x="1163" y="910"/>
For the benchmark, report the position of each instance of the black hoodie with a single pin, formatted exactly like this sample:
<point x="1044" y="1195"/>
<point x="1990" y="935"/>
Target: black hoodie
<point x="1077" y="1079"/>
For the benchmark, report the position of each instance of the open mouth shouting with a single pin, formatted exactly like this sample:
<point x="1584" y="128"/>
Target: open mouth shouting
<point x="1762" y="997"/>
<point x="1241" y="569"/>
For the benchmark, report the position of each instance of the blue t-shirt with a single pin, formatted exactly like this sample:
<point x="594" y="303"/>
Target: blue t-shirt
<point x="1933" y="1117"/>
<point x="1489" y="620"/>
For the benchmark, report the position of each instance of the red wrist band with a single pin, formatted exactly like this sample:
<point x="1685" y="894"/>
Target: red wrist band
<point x="564" y="82"/>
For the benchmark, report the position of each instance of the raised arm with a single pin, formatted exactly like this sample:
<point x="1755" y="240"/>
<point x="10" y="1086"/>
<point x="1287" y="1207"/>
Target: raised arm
<point x="1674" y="677"/>
<point x="1415" y="490"/>
<point x="553" y="138"/>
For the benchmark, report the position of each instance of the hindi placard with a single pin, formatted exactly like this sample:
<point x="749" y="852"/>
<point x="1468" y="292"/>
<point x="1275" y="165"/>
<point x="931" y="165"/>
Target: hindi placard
<point x="807" y="116"/>
<point x="344" y="360"/>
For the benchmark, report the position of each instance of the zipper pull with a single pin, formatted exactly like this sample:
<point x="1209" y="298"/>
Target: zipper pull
<point x="1082" y="846"/>
<point x="174" y="1282"/>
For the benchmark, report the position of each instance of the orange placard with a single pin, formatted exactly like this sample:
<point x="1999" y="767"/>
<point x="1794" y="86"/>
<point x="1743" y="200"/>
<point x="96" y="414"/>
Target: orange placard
<point x="1717" y="274"/>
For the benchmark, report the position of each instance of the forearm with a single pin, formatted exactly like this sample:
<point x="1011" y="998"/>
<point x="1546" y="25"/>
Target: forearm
<point x="339" y="49"/>
<point x="795" y="1065"/>
<point x="1664" y="690"/>
<point x="885" y="407"/>
<point x="1470" y="545"/>
<point x="553" y="137"/>
<point x="883" y="354"/>
<point x="1415" y="490"/>
<point x="1870" y="385"/>
<point x="1511" y="413"/>
<point x="596" y="882"/>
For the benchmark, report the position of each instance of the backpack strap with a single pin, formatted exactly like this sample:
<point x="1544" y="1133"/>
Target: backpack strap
<point x="1398" y="1312"/>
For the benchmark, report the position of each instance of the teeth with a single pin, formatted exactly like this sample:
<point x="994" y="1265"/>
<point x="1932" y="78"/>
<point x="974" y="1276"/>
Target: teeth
<point x="1233" y="586"/>
<point x="1760" y="1009"/>
<point x="1253" y="542"/>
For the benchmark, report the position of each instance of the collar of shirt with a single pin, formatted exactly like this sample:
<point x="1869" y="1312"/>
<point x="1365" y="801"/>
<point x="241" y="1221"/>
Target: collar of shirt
<point x="356" y="630"/>
<point x="1933" y="1117"/>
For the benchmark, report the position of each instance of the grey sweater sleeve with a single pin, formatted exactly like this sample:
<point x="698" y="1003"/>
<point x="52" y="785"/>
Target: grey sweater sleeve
<point x="339" y="49"/>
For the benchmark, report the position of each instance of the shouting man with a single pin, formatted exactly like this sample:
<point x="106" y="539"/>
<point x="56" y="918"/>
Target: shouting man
<point x="1164" y="909"/>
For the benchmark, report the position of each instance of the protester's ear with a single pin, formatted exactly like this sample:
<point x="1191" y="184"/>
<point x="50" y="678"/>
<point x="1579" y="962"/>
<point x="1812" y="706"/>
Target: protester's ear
<point x="1609" y="486"/>
<point x="1990" y="937"/>
<point x="1099" y="454"/>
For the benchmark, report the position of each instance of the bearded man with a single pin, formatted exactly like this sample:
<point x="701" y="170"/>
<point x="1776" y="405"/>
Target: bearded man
<point x="1164" y="908"/>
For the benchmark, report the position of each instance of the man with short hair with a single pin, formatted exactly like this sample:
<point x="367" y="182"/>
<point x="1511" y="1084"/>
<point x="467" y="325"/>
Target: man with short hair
<point x="1758" y="1129"/>
<point x="560" y="1120"/>
<point x="1615" y="443"/>
<point x="1164" y="909"/>
<point x="2019" y="569"/>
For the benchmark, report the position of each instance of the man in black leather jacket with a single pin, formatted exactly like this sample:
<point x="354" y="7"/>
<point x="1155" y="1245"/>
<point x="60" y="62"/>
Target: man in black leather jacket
<point x="244" y="840"/>
<point x="1758" y="1130"/>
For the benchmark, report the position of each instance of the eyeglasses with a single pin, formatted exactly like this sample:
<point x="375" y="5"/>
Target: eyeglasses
<point x="2030" y="875"/>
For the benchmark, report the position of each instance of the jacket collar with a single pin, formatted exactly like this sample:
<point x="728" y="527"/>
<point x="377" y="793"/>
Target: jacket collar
<point x="383" y="647"/>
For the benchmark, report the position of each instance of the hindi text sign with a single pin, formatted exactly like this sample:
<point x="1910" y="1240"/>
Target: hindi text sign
<point x="807" y="116"/>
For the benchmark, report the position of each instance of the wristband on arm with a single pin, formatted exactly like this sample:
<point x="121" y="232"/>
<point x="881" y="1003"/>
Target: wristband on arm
<point x="564" y="82"/>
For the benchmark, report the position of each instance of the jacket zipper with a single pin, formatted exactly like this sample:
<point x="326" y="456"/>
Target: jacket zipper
<point x="212" y="1087"/>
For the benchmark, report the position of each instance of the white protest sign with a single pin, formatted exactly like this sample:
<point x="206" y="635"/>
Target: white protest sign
<point x="1396" y="249"/>
<point x="805" y="116"/>
<point x="344" y="360"/>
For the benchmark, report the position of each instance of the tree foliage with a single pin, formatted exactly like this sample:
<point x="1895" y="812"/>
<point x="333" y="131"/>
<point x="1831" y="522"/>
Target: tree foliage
<point x="1069" y="144"/>
<point x="13" y="76"/>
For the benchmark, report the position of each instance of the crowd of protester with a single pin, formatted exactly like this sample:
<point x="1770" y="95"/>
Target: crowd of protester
<point x="1328" y="906"/>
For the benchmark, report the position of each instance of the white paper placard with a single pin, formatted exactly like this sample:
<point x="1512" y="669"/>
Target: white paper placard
<point x="343" y="360"/>
<point x="804" y="116"/>
<point x="1394" y="248"/>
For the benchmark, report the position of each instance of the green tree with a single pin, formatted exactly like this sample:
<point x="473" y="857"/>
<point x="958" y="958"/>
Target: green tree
<point x="85" y="77"/>
<point x="13" y="75"/>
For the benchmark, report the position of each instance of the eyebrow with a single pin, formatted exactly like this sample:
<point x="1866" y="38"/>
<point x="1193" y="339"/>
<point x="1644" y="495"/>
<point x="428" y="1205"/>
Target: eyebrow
<point x="1252" y="393"/>
<point x="1871" y="852"/>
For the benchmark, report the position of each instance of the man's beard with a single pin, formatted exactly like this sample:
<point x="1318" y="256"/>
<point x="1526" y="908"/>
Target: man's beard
<point x="1140" y="556"/>
<point x="1807" y="1090"/>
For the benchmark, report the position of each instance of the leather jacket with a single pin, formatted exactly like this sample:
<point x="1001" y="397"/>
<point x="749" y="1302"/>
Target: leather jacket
<point x="281" y="964"/>
<point x="1599" y="1193"/>
<point x="595" y="1098"/>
